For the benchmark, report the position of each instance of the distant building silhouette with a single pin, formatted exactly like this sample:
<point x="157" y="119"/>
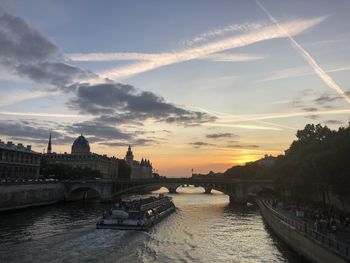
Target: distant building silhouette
<point x="18" y="162"/>
<point x="49" y="148"/>
<point x="81" y="156"/>
<point x="141" y="169"/>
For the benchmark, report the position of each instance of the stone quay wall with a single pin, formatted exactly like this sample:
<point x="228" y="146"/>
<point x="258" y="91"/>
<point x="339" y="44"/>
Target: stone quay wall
<point x="297" y="237"/>
<point x="17" y="196"/>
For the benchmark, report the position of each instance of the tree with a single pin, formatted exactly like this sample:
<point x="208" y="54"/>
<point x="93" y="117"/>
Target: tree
<point x="124" y="170"/>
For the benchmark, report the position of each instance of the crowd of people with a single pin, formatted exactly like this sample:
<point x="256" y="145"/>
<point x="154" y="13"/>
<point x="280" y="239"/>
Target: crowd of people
<point x="136" y="204"/>
<point x="325" y="218"/>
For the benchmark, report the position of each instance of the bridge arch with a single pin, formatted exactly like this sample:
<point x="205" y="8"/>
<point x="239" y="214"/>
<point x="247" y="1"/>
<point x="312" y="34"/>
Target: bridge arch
<point x="83" y="193"/>
<point x="107" y="190"/>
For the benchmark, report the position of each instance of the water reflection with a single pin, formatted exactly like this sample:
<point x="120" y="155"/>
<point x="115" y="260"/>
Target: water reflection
<point x="205" y="228"/>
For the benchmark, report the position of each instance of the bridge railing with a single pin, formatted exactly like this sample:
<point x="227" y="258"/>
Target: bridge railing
<point x="183" y="180"/>
<point x="304" y="228"/>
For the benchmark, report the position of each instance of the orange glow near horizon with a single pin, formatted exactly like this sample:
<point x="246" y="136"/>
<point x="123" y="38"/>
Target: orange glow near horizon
<point x="179" y="161"/>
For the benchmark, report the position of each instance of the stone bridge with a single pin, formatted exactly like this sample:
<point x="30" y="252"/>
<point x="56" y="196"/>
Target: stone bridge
<point x="238" y="190"/>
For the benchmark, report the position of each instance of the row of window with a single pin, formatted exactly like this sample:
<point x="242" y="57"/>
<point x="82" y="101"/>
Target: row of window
<point x="19" y="157"/>
<point x="14" y="172"/>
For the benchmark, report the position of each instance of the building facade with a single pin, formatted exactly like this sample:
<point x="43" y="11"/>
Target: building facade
<point x="81" y="157"/>
<point x="141" y="169"/>
<point x="18" y="162"/>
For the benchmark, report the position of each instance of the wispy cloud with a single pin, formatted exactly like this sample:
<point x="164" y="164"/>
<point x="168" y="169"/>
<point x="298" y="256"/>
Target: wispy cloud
<point x="226" y="57"/>
<point x="18" y="96"/>
<point x="220" y="135"/>
<point x="299" y="72"/>
<point x="129" y="56"/>
<point x="41" y="114"/>
<point x="242" y="126"/>
<point x="308" y="58"/>
<point x="115" y="56"/>
<point x="328" y="41"/>
<point x="333" y="122"/>
<point x="221" y="31"/>
<point x="200" y="144"/>
<point x="247" y="38"/>
<point x="256" y="117"/>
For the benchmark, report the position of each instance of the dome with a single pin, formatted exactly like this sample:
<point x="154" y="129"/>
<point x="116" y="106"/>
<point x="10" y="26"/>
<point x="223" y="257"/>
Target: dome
<point x="80" y="145"/>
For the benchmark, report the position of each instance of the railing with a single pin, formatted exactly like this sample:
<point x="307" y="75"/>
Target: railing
<point x="335" y="246"/>
<point x="153" y="204"/>
<point x="30" y="181"/>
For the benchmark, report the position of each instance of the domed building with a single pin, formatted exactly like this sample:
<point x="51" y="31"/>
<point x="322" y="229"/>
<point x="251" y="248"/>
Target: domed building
<point x="80" y="146"/>
<point x="81" y="156"/>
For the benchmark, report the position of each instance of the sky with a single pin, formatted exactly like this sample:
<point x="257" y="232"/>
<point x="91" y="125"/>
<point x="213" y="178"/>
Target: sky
<point x="202" y="85"/>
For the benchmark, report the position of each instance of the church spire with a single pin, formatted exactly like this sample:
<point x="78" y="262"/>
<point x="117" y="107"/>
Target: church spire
<point x="129" y="157"/>
<point x="49" y="148"/>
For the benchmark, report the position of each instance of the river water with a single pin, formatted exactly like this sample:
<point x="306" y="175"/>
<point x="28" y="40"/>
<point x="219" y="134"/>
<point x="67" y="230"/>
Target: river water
<point x="205" y="228"/>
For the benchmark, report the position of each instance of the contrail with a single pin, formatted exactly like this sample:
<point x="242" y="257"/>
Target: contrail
<point x="313" y="64"/>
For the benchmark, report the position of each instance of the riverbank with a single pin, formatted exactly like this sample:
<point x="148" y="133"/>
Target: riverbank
<point x="302" y="238"/>
<point x="18" y="196"/>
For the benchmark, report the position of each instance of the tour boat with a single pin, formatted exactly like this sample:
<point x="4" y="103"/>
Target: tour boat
<point x="137" y="214"/>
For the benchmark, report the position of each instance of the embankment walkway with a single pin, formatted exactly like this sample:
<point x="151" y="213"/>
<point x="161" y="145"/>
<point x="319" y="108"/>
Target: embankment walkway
<point x="302" y="237"/>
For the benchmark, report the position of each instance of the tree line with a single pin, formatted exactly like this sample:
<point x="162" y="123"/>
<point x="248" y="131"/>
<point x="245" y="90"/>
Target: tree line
<point x="316" y="164"/>
<point x="61" y="171"/>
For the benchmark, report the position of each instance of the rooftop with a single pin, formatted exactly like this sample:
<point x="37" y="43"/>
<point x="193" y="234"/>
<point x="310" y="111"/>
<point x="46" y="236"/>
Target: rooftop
<point x="16" y="147"/>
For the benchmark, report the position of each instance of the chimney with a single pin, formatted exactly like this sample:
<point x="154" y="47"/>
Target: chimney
<point x="29" y="147"/>
<point x="9" y="143"/>
<point x="20" y="145"/>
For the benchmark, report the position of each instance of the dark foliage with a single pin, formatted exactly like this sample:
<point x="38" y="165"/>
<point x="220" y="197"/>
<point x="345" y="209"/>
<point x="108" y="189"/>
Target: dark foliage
<point x="317" y="163"/>
<point x="62" y="171"/>
<point x="124" y="171"/>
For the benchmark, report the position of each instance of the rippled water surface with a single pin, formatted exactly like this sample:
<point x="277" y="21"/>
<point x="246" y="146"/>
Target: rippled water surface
<point x="205" y="228"/>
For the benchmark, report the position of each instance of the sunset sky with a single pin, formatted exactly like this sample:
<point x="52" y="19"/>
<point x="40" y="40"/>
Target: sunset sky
<point x="188" y="84"/>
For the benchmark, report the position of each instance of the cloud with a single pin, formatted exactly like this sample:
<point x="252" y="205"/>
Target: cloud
<point x="95" y="132"/>
<point x="31" y="131"/>
<point x="15" y="96"/>
<point x="230" y="120"/>
<point x="200" y="144"/>
<point x="129" y="56"/>
<point x="40" y="114"/>
<point x="223" y="30"/>
<point x="326" y="99"/>
<point x="333" y="122"/>
<point x="19" y="43"/>
<point x="300" y="72"/>
<point x="242" y="146"/>
<point x="312" y="116"/>
<point x="227" y="57"/>
<point x="241" y="126"/>
<point x="220" y="135"/>
<point x="27" y="53"/>
<point x="60" y="75"/>
<point x="264" y="33"/>
<point x="308" y="58"/>
<point x="310" y="109"/>
<point x="98" y="130"/>
<point x="120" y="103"/>
<point x="115" y="56"/>
<point x="328" y="41"/>
<point x="135" y="142"/>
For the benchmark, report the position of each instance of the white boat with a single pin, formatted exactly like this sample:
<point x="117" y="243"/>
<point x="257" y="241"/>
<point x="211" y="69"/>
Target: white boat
<point x="137" y="214"/>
